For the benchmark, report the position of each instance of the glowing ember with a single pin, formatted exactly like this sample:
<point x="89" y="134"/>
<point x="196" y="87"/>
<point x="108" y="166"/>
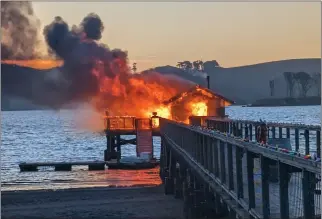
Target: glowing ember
<point x="199" y="109"/>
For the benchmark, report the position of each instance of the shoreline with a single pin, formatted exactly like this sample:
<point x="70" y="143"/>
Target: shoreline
<point x="77" y="189"/>
<point x="29" y="188"/>
<point x="91" y="203"/>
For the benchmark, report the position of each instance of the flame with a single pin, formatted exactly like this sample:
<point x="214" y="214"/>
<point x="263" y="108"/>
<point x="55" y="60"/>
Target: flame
<point x="36" y="63"/>
<point x="134" y="94"/>
<point x="199" y="109"/>
<point x="162" y="111"/>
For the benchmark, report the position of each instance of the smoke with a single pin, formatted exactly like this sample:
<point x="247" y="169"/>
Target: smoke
<point x="82" y="55"/>
<point x="92" y="72"/>
<point x="92" y="26"/>
<point x="97" y="74"/>
<point x="19" y="31"/>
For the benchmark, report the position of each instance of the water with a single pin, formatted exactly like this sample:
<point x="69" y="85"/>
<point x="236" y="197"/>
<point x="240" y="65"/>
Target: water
<point x="56" y="136"/>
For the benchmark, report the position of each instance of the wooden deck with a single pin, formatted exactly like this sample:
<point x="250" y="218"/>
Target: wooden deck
<point x="220" y="175"/>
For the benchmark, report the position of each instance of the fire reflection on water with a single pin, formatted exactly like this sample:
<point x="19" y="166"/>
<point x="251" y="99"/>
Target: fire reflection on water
<point x="80" y="177"/>
<point x="148" y="177"/>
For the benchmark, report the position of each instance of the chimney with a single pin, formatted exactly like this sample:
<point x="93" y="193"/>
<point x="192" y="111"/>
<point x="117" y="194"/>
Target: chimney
<point x="208" y="82"/>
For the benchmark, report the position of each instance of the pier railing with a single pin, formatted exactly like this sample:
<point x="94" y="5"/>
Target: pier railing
<point x="257" y="181"/>
<point x="123" y="124"/>
<point x="305" y="139"/>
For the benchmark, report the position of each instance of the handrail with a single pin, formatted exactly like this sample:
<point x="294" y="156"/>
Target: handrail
<point x="269" y="151"/>
<point x="282" y="125"/>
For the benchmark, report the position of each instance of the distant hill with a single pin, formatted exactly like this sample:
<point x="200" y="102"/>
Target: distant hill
<point x="19" y="84"/>
<point x="251" y="82"/>
<point x="246" y="84"/>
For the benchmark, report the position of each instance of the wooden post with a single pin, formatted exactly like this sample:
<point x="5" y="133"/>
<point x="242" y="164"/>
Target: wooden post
<point x="197" y="148"/>
<point x="297" y="143"/>
<point x="209" y="154"/>
<point x="273" y="132"/>
<point x="118" y="146"/>
<point x="197" y="198"/>
<point x="241" y="128"/>
<point x="307" y="141"/>
<point x="230" y="166"/>
<point x="308" y="183"/>
<point x="222" y="161"/>
<point x="216" y="157"/>
<point x="283" y="187"/>
<point x="288" y="133"/>
<point x="246" y="131"/>
<point x="235" y="129"/>
<point x="169" y="181"/>
<point x="256" y="132"/>
<point x="178" y="182"/>
<point x="250" y="132"/>
<point x="226" y="127"/>
<point x="239" y="173"/>
<point x="280" y="132"/>
<point x="209" y="205"/>
<point x="187" y="195"/>
<point x="162" y="154"/>
<point x="250" y="180"/>
<point x="204" y="152"/>
<point x="318" y="143"/>
<point x="265" y="186"/>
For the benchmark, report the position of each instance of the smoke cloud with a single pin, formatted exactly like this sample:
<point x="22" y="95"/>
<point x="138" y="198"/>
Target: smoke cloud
<point x="100" y="75"/>
<point x="82" y="55"/>
<point x="92" y="72"/>
<point x="19" y="31"/>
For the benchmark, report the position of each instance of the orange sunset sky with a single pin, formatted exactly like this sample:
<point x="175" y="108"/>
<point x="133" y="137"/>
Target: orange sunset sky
<point x="232" y="33"/>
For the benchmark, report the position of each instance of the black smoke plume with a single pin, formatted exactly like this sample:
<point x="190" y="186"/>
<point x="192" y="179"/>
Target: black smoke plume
<point x="19" y="30"/>
<point x="91" y="72"/>
<point x="82" y="54"/>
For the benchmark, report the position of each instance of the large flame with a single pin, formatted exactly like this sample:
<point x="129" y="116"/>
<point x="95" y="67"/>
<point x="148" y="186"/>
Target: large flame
<point x="199" y="109"/>
<point x="135" y="94"/>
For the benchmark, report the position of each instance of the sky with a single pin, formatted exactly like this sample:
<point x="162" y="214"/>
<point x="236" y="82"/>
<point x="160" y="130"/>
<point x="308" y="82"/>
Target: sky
<point x="234" y="34"/>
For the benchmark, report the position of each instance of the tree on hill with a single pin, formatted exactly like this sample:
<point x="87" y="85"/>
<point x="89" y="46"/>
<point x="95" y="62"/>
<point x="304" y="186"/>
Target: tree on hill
<point x="180" y="65"/>
<point x="198" y="65"/>
<point x="185" y="65"/>
<point x="271" y="86"/>
<point x="316" y="79"/>
<point x="290" y="83"/>
<point x="305" y="82"/>
<point x="134" y="67"/>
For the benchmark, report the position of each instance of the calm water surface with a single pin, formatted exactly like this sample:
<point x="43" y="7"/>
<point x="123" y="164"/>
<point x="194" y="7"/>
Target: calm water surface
<point x="36" y="136"/>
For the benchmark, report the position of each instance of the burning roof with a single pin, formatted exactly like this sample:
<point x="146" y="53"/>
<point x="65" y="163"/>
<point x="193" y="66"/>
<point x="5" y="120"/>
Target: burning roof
<point x="201" y="90"/>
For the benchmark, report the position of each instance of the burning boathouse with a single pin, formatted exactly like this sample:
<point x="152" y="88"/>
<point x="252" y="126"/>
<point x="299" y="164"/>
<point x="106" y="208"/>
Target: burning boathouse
<point x="198" y="101"/>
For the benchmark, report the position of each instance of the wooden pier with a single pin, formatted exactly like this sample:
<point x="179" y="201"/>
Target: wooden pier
<point x="219" y="174"/>
<point x="219" y="168"/>
<point x="142" y="131"/>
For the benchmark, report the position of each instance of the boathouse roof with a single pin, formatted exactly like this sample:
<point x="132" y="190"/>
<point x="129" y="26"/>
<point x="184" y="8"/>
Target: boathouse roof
<point x="198" y="89"/>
